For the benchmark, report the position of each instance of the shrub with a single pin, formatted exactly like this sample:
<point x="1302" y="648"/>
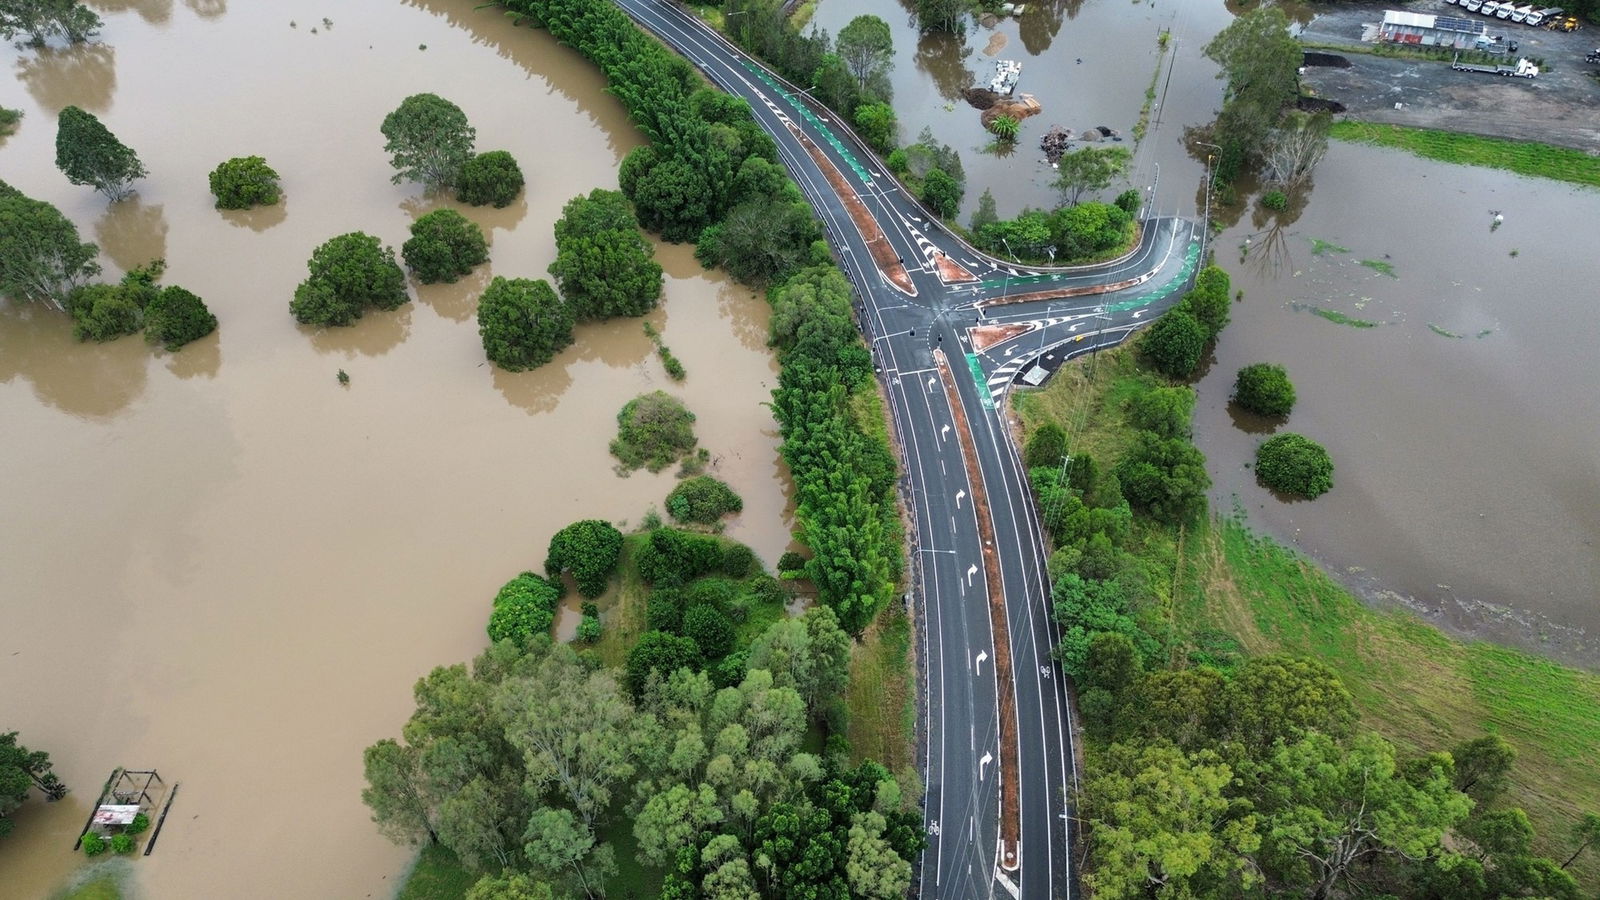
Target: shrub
<point x="717" y="593"/>
<point x="896" y="161"/>
<point x="664" y="610"/>
<point x="1128" y="201"/>
<point x="1294" y="464"/>
<point x="653" y="431"/>
<point x="702" y="499"/>
<point x="660" y="653"/>
<point x="1264" y="389"/>
<point x="244" y="182"/>
<point x="671" y="557"/>
<point x="942" y="193"/>
<point x="349" y="273"/>
<point x="710" y="630"/>
<point x="589" y="629"/>
<point x="738" y="561"/>
<point x="791" y="562"/>
<point x="1174" y="343"/>
<point x="1275" y="200"/>
<point x="444" y="246"/>
<point x="1045" y="446"/>
<point x="524" y="607"/>
<point x="589" y="549"/>
<point x="1165" y="478"/>
<point x="94" y="844"/>
<point x="139" y="825"/>
<point x="875" y="122"/>
<point x="1163" y="410"/>
<point x="175" y="317"/>
<point x="522" y="323"/>
<point x="489" y="178"/>
<point x="103" y="312"/>
<point x="1208" y="302"/>
<point x="122" y="844"/>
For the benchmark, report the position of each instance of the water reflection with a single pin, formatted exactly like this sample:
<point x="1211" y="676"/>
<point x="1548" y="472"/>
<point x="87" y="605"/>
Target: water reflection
<point x="258" y="218"/>
<point x="487" y="218"/>
<point x="374" y="334"/>
<point x="83" y="75"/>
<point x="197" y="359"/>
<point x="132" y="234"/>
<point x="1251" y="423"/>
<point x="207" y="9"/>
<point x="457" y="301"/>
<point x="534" y="392"/>
<point x="745" y="313"/>
<point x="1038" y="28"/>
<point x="619" y="343"/>
<point x="944" y="58"/>
<point x="156" y="12"/>
<point x="89" y="380"/>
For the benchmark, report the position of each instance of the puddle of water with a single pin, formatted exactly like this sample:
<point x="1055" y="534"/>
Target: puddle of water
<point x="221" y="563"/>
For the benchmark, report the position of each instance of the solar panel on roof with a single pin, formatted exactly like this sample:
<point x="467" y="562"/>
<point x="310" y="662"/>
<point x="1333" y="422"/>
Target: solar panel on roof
<point x="1451" y="23"/>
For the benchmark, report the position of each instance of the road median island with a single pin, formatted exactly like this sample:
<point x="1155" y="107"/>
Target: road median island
<point x="883" y="255"/>
<point x="1009" y="762"/>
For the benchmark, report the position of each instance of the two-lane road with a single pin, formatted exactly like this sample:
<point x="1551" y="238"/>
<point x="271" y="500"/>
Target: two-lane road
<point x="962" y="556"/>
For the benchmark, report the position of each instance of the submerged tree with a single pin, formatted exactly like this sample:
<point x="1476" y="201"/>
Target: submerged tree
<point x="429" y="140"/>
<point x="42" y="19"/>
<point x="1294" y="148"/>
<point x="523" y="323"/>
<point x="349" y="273"/>
<point x="88" y="153"/>
<point x="867" y="48"/>
<point x="244" y="182"/>
<point x="21" y="770"/>
<point x="1090" y="169"/>
<point x="942" y="15"/>
<point x="444" y="246"/>
<point x="491" y="178"/>
<point x="41" y="257"/>
<point x="603" y="264"/>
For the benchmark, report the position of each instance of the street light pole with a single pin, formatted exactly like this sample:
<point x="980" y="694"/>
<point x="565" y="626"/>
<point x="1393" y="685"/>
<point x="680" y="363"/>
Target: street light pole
<point x="1205" y="222"/>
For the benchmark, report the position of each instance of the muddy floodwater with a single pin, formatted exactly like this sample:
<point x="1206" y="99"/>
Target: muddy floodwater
<point x="222" y="564"/>
<point x="1464" y="423"/>
<point x="1465" y="428"/>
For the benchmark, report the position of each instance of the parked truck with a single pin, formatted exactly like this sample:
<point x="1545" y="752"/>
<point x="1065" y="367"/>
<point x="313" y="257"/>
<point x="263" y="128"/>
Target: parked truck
<point x="1523" y="69"/>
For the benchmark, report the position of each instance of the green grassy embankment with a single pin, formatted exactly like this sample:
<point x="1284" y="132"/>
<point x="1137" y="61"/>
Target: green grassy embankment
<point x="438" y="875"/>
<point x="1225" y="587"/>
<point x="1521" y="157"/>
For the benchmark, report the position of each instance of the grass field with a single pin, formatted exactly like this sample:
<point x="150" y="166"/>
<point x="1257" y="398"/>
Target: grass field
<point x="438" y="875"/>
<point x="1423" y="690"/>
<point x="1522" y="157"/>
<point x="882" y="699"/>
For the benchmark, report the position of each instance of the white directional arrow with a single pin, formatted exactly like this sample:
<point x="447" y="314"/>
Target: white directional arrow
<point x="943" y="432"/>
<point x="1138" y="314"/>
<point x="931" y="382"/>
<point x="971" y="572"/>
<point x="1010" y="350"/>
<point x="1074" y="326"/>
<point x="959" y="495"/>
<point x="981" y="657"/>
<point x="984" y="761"/>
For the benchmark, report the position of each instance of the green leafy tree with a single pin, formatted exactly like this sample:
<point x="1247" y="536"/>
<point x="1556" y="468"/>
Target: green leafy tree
<point x="987" y="213"/>
<point x="1280" y="698"/>
<point x="710" y="630"/>
<point x="674" y="819"/>
<point x="1264" y="389"/>
<point x="654" y="431"/>
<point x="404" y="802"/>
<point x="1260" y="60"/>
<point x="1087" y="607"/>
<point x="244" y="182"/>
<point x="702" y="499"/>
<point x="1166" y="411"/>
<point x="875" y="870"/>
<point x="1163" y="825"/>
<point x="88" y="153"/>
<point x="942" y="193"/>
<point x="942" y="15"/>
<point x="523" y="608"/>
<point x="104" y="312"/>
<point x="1088" y="229"/>
<point x="603" y="264"/>
<point x="1585" y="833"/>
<point x="877" y="125"/>
<point x="41" y="20"/>
<point x="1324" y="806"/>
<point x="1294" y="464"/>
<point x="1045" y="447"/>
<point x="589" y="549"/>
<point x="348" y="274"/>
<point x="176" y="317"/>
<point x="1174" y="344"/>
<point x="760" y="242"/>
<point x="1483" y="767"/>
<point x="1088" y="170"/>
<point x="509" y="886"/>
<point x="523" y="323"/>
<point x="1165" y="478"/>
<point x="1208" y="302"/>
<point x="559" y="845"/>
<point x="428" y="139"/>
<point x="867" y="48"/>
<point x="22" y="770"/>
<point x="490" y="178"/>
<point x="444" y="246"/>
<point x="662" y="654"/>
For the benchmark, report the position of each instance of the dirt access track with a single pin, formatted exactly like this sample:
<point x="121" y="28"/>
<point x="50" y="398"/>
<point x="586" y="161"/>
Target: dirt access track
<point x="1557" y="108"/>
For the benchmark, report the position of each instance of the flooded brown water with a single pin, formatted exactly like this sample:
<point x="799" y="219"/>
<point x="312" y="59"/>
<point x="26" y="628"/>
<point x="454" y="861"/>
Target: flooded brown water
<point x="221" y="563"/>
<point x="1468" y="482"/>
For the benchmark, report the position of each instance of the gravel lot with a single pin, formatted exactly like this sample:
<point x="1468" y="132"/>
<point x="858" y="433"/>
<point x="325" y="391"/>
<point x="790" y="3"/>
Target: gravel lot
<point x="1559" y="107"/>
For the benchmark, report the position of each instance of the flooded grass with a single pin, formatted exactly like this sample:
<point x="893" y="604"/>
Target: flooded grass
<point x="1320" y="247"/>
<point x="1381" y="267"/>
<point x="1522" y="157"/>
<point x="1339" y="318"/>
<point x="1443" y="333"/>
<point x="1226" y="586"/>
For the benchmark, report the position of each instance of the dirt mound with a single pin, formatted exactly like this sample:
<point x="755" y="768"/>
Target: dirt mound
<point x="1329" y="60"/>
<point x="1318" y="104"/>
<point x="1018" y="109"/>
<point x="980" y="98"/>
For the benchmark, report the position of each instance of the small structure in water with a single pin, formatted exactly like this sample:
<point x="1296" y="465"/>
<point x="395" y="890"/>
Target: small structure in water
<point x="1006" y="73"/>
<point x="126" y="806"/>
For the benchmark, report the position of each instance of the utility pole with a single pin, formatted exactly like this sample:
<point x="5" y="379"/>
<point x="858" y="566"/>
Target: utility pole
<point x="1205" y="222"/>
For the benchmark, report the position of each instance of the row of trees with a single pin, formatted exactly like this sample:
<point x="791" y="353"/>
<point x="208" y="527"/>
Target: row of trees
<point x="40" y="20"/>
<point x="1075" y="230"/>
<point x="933" y="173"/>
<point x="430" y="141"/>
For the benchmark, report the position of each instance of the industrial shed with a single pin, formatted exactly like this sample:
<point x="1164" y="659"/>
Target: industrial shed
<point x="1430" y="30"/>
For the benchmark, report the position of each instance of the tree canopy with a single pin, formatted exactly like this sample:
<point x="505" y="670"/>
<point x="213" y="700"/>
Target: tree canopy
<point x="88" y="153"/>
<point x="603" y="265"/>
<point x="349" y="274"/>
<point x="444" y="245"/>
<point x="41" y="20"/>
<point x="867" y="48"/>
<point x="1264" y="389"/>
<point x="589" y="549"/>
<point x="491" y="178"/>
<point x="176" y="317"/>
<point x="41" y="257"/>
<point x="1088" y="170"/>
<point x="22" y="770"/>
<point x="523" y="323"/>
<point x="1294" y="464"/>
<point x="428" y="139"/>
<point x="244" y="182"/>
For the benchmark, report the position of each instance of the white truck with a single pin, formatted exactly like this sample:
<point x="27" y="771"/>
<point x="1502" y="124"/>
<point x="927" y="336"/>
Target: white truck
<point x="1523" y="69"/>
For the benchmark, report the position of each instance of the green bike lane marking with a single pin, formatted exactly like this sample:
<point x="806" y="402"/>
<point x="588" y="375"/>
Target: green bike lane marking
<point x="804" y="113"/>
<point x="1190" y="258"/>
<point x="977" y="377"/>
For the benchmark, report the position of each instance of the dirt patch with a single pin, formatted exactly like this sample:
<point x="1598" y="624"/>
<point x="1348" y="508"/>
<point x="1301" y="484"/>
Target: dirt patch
<point x="888" y="262"/>
<point x="950" y="271"/>
<point x="986" y="336"/>
<point x="1009" y="763"/>
<point x="1330" y="60"/>
<point x="980" y="98"/>
<point x="1018" y="109"/>
<point x="997" y="42"/>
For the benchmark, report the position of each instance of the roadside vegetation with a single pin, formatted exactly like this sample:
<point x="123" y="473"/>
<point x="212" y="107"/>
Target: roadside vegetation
<point x="1521" y="157"/>
<point x="1219" y="666"/>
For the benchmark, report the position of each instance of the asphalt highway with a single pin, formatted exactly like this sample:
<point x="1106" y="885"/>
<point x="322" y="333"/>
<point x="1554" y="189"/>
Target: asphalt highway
<point x="906" y="315"/>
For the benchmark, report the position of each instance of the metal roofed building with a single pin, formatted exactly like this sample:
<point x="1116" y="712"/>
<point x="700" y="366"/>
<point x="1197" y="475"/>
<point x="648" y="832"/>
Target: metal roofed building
<point x="1430" y="30"/>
